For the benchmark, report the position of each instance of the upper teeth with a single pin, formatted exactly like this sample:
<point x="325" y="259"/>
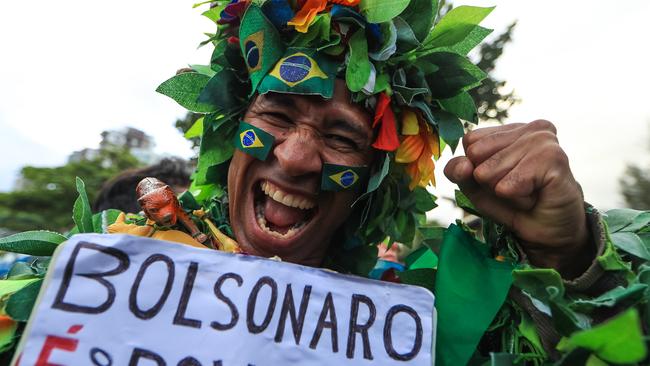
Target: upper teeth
<point x="285" y="198"/>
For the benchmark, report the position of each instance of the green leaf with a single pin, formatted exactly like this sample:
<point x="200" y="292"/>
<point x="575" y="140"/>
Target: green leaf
<point x="20" y="271"/>
<point x="463" y="202"/>
<point x="640" y="222"/>
<point x="423" y="277"/>
<point x="20" y="304"/>
<point x="419" y="14"/>
<point x="216" y="148"/>
<point x="461" y="106"/>
<point x="450" y="128"/>
<point x="535" y="281"/>
<point x="382" y="83"/>
<point x="406" y="39"/>
<point x="10" y="286"/>
<point x="39" y="243"/>
<point x="358" y="70"/>
<point x="456" y="25"/>
<point x="196" y="130"/>
<point x="631" y="294"/>
<point x="473" y="39"/>
<point x="102" y="220"/>
<point x="185" y="89"/>
<point x="610" y="260"/>
<point x="630" y="243"/>
<point x="422" y="258"/>
<point x="379" y="11"/>
<point x="455" y="74"/>
<point x="217" y="60"/>
<point x="376" y="179"/>
<point x="81" y="212"/>
<point x="424" y="201"/>
<point x="619" y="218"/>
<point x="405" y="228"/>
<point x="619" y="340"/>
<point x="213" y="14"/>
<point x="223" y="90"/>
<point x="432" y="236"/>
<point x="389" y="42"/>
<point x="204" y="69"/>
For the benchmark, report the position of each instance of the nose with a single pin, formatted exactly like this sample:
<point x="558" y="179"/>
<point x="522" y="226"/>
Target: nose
<point x="299" y="153"/>
<point x="169" y="219"/>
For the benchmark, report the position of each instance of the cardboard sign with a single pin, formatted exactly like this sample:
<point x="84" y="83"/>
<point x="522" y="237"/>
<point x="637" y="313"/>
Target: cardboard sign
<point x="114" y="300"/>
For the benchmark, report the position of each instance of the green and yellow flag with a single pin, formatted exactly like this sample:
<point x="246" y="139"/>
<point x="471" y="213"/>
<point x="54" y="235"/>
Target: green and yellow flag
<point x="254" y="141"/>
<point x="301" y="71"/>
<point x="340" y="177"/>
<point x="260" y="44"/>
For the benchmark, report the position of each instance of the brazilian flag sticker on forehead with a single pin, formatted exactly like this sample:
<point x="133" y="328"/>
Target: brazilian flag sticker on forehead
<point x="341" y="177"/>
<point x="254" y="141"/>
<point x="301" y="71"/>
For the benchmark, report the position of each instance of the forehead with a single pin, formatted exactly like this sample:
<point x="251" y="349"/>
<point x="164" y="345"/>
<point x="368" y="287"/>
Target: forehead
<point x="339" y="107"/>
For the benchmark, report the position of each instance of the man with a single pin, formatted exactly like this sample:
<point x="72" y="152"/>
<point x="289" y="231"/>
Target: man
<point x="338" y="110"/>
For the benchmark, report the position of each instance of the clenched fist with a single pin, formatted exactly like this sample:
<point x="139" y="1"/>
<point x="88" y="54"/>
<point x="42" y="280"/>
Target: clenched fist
<point x="518" y="175"/>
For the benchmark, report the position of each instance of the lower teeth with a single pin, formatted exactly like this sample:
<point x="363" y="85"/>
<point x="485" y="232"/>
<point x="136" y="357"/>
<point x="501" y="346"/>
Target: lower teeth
<point x="261" y="220"/>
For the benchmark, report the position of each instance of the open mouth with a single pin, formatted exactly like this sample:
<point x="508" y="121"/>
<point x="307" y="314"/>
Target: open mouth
<point x="282" y="214"/>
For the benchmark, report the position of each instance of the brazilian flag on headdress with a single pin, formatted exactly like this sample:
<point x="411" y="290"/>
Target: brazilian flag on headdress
<point x="260" y="44"/>
<point x="301" y="71"/>
<point x="254" y="141"/>
<point x="340" y="177"/>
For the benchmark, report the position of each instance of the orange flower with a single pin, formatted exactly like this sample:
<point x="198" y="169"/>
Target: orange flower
<point x="303" y="19"/>
<point x="419" y="151"/>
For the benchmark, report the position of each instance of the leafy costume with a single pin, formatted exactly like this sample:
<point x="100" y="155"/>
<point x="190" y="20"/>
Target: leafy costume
<point x="412" y="71"/>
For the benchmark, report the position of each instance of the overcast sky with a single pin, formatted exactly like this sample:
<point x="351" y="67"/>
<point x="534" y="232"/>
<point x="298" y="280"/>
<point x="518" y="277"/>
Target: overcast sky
<point x="71" y="69"/>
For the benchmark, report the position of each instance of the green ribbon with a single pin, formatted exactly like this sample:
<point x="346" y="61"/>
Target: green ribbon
<point x="470" y="289"/>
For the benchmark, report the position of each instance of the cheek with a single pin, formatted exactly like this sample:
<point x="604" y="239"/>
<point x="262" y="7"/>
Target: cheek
<point x="237" y="173"/>
<point x="341" y="205"/>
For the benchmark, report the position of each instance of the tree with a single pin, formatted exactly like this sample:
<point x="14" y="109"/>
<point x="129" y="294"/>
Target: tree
<point x="185" y="123"/>
<point x="635" y="187"/>
<point x="45" y="196"/>
<point x="492" y="101"/>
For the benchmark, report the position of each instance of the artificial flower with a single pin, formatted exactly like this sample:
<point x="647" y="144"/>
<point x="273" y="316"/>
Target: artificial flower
<point x="306" y="15"/>
<point x="387" y="138"/>
<point x="418" y="151"/>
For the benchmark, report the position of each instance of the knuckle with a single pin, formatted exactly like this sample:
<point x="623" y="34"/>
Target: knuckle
<point x="481" y="174"/>
<point x="511" y="184"/>
<point x="542" y="138"/>
<point x="543" y="125"/>
<point x="555" y="154"/>
<point x="473" y="152"/>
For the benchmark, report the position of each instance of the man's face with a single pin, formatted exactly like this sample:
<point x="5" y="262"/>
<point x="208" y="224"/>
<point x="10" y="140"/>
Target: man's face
<point x="276" y="206"/>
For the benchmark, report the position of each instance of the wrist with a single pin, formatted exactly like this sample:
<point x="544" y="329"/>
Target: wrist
<point x="570" y="258"/>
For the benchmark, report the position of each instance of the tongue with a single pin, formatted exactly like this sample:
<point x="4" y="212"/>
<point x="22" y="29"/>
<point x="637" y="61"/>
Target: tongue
<point x="281" y="215"/>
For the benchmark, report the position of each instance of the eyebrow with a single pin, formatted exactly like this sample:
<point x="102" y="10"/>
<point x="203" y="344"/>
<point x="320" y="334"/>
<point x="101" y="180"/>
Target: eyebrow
<point x="349" y="126"/>
<point x="280" y="99"/>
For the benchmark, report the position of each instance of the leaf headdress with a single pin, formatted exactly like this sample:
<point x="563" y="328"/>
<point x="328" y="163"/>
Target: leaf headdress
<point x="410" y="70"/>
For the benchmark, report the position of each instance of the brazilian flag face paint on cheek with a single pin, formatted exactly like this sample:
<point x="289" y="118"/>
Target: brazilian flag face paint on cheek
<point x="254" y="141"/>
<point x="340" y="177"/>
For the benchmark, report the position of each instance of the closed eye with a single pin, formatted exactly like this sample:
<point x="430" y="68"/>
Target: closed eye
<point x="279" y="117"/>
<point x="342" y="140"/>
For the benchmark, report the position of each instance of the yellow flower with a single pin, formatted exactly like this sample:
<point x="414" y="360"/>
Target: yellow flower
<point x="418" y="151"/>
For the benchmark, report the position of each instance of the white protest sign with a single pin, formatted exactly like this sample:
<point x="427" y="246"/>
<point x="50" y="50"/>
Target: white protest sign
<point x="114" y="300"/>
